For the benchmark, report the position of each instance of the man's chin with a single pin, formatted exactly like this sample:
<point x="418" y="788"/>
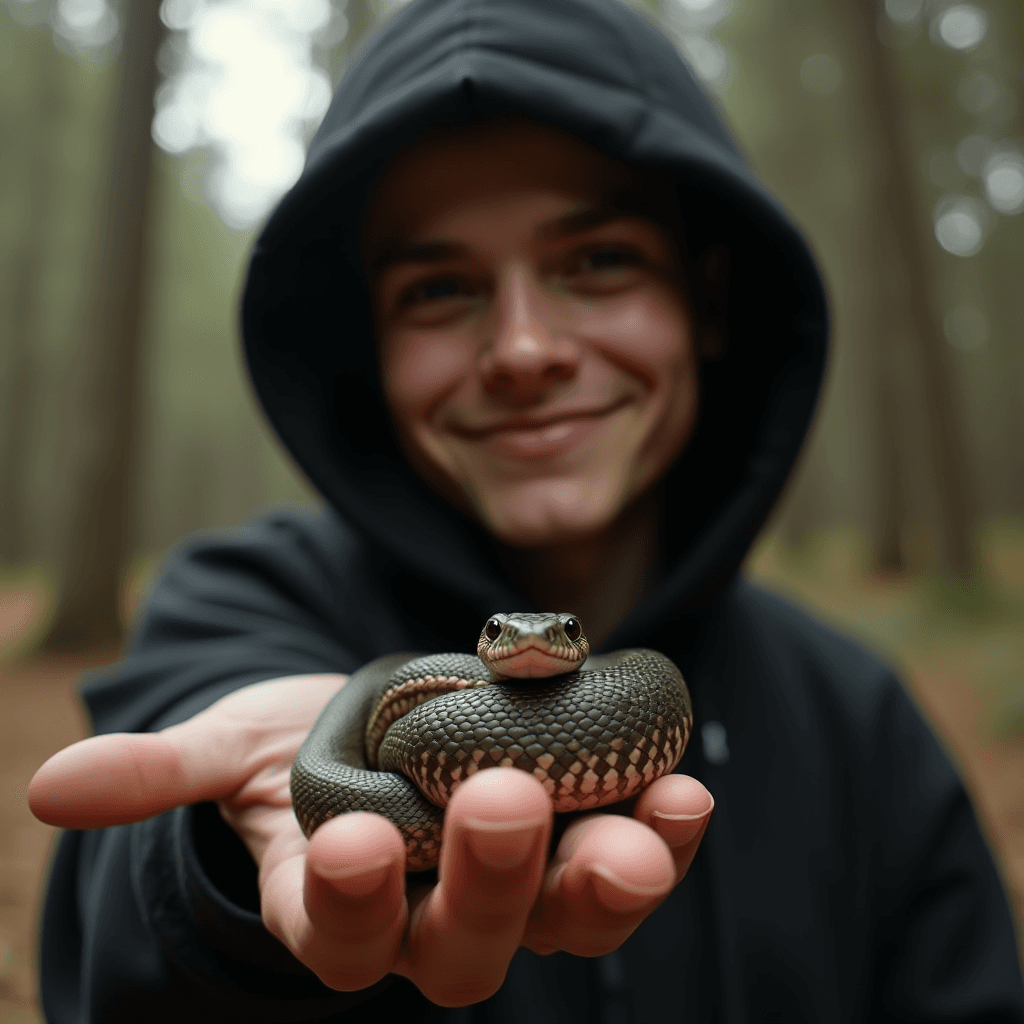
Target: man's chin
<point x="564" y="516"/>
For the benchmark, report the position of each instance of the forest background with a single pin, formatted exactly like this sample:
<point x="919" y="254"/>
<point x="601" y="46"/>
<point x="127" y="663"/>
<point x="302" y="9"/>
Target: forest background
<point x="907" y="176"/>
<point x="142" y="144"/>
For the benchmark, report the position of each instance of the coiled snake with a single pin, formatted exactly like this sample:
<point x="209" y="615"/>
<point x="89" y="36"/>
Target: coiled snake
<point x="404" y="731"/>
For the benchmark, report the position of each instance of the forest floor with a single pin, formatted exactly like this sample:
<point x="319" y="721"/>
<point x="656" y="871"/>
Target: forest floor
<point x="961" y="655"/>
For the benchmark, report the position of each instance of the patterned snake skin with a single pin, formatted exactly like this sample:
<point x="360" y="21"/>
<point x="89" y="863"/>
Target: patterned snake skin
<point x="593" y="736"/>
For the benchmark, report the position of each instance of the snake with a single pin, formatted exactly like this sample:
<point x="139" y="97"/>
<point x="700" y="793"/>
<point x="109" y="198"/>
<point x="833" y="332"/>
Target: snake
<point x="406" y="730"/>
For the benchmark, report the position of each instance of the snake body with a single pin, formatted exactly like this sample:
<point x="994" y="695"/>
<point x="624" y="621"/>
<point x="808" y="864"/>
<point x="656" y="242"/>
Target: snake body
<point x="405" y="730"/>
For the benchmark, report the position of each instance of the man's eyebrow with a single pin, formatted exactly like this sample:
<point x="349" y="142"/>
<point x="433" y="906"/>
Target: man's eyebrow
<point x="579" y="221"/>
<point x="575" y="222"/>
<point x="426" y="251"/>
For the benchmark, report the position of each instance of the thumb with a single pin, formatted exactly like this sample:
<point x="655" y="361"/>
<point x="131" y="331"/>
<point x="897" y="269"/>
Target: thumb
<point x="119" y="778"/>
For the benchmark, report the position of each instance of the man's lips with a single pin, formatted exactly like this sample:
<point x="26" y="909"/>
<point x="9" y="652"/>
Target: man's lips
<point x="538" y="424"/>
<point x="529" y="439"/>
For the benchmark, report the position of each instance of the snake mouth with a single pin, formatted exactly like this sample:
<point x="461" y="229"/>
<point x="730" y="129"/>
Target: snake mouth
<point x="533" y="662"/>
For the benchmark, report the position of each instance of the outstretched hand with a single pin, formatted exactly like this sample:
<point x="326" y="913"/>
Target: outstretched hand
<point x="339" y="901"/>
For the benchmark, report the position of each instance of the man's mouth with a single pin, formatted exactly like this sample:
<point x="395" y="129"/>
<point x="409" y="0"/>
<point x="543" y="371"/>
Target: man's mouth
<point x="540" y="437"/>
<point x="557" y="420"/>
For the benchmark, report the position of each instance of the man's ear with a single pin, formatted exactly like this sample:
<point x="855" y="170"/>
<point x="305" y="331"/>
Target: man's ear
<point x="713" y="267"/>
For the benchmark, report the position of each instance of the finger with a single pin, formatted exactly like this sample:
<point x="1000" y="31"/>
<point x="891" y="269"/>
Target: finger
<point x="339" y="904"/>
<point x="584" y="877"/>
<point x="608" y="874"/>
<point x="119" y="778"/>
<point x="678" y="808"/>
<point x="124" y="777"/>
<point x="465" y="933"/>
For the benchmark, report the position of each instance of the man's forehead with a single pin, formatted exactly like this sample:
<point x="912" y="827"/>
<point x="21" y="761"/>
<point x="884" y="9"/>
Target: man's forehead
<point x="580" y="219"/>
<point x="501" y="157"/>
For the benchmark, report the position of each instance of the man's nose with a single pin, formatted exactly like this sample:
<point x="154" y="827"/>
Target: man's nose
<point x="529" y="350"/>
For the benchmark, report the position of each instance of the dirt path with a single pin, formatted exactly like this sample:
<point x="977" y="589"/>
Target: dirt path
<point x="41" y="715"/>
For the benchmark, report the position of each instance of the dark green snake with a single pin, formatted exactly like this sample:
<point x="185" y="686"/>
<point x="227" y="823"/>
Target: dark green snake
<point x="405" y="730"/>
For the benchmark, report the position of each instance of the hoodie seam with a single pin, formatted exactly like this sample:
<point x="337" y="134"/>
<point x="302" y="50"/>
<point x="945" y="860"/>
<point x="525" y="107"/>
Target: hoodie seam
<point x="643" y="86"/>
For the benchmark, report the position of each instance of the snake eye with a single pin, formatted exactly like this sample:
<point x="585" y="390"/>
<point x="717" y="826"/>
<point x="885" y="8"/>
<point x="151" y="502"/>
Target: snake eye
<point x="493" y="629"/>
<point x="573" y="629"/>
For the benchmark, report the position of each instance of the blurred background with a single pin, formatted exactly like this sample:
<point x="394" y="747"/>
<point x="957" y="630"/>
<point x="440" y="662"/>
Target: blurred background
<point x="142" y="145"/>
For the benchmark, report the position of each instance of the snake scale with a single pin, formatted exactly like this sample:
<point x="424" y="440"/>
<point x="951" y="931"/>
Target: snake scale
<point x="405" y="730"/>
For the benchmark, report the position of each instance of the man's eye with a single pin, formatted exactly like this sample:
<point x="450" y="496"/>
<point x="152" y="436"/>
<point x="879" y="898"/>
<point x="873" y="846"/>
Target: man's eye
<point x="436" y="290"/>
<point x="606" y="259"/>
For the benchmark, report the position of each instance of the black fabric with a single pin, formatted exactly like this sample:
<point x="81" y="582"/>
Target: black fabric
<point x="843" y="876"/>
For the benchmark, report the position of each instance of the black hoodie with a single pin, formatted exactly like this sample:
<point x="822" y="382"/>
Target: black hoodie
<point x="843" y="876"/>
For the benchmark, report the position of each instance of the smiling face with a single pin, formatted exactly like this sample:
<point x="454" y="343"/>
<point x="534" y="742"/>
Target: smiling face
<point x="536" y="342"/>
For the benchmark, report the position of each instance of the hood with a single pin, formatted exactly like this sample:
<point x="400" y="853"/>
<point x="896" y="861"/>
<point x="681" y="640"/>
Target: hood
<point x="602" y="72"/>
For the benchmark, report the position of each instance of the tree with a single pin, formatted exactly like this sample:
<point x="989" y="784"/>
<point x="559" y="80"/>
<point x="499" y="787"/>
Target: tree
<point x="20" y="339"/>
<point x="97" y="540"/>
<point x="1003" y="282"/>
<point x="899" y="206"/>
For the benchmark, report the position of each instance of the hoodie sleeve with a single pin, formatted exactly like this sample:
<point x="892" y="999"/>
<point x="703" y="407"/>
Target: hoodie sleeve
<point x="159" y="921"/>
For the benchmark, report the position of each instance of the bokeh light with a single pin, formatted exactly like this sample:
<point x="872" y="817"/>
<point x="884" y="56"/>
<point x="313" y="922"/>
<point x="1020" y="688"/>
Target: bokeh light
<point x="960" y="224"/>
<point x="84" y="26"/>
<point x="1003" y="176"/>
<point x="697" y="6"/>
<point x="961" y="27"/>
<point x="706" y="56"/>
<point x="702" y="14"/>
<point x="249" y="89"/>
<point x="904" y="12"/>
<point x="691" y="24"/>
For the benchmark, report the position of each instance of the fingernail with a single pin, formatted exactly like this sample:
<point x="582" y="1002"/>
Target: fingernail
<point x="502" y="846"/>
<point x="678" y="829"/>
<point x="619" y="895"/>
<point x="358" y="879"/>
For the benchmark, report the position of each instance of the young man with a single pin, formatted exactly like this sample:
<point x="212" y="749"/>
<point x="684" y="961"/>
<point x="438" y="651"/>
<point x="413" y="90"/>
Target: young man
<point x="540" y="340"/>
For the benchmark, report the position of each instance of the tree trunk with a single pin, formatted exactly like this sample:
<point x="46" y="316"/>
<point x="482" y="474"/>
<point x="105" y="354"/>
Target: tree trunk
<point x="97" y="541"/>
<point x="21" y="339"/>
<point x="17" y="388"/>
<point x="890" y="512"/>
<point x="886" y="112"/>
<point x="1004" y="284"/>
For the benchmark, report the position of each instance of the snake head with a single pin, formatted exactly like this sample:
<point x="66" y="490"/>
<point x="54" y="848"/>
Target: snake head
<point x="532" y="645"/>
